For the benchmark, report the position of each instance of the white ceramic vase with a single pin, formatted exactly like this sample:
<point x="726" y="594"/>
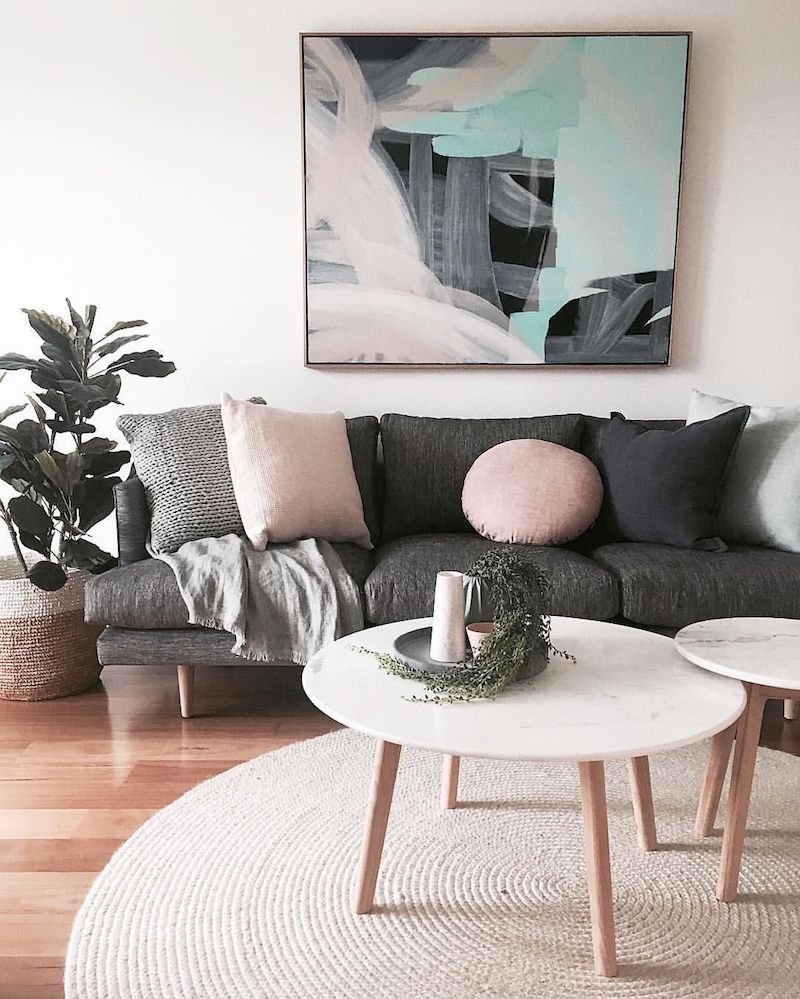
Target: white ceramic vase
<point x="448" y="637"/>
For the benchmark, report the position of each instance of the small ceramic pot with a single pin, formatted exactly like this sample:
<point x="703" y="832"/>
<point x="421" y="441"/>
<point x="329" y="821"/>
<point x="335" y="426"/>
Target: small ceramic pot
<point x="477" y="633"/>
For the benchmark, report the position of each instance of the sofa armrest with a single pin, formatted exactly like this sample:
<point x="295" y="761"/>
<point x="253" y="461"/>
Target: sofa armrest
<point x="133" y="520"/>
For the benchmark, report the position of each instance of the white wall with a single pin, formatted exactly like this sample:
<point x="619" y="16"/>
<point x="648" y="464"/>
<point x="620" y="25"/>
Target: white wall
<point x="150" y="162"/>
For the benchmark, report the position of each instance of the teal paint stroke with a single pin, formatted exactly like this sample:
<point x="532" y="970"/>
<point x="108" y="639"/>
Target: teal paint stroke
<point x="609" y="111"/>
<point x="472" y="144"/>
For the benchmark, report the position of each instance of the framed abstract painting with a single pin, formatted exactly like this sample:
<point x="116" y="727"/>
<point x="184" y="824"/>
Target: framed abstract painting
<point x="491" y="200"/>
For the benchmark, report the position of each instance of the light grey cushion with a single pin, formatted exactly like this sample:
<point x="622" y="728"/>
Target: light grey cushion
<point x="761" y="494"/>
<point x="671" y="587"/>
<point x="401" y="584"/>
<point x="182" y="461"/>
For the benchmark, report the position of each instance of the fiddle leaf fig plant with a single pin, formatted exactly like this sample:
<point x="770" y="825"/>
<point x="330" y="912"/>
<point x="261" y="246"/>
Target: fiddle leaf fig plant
<point x="63" y="474"/>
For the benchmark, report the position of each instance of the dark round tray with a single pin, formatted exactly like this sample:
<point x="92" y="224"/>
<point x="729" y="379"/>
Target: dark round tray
<point x="414" y="647"/>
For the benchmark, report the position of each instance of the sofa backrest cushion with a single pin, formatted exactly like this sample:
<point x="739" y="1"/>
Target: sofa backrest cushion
<point x="362" y="435"/>
<point x="427" y="459"/>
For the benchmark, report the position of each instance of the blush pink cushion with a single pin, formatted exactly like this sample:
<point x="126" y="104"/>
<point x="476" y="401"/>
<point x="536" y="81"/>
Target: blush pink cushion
<point x="532" y="492"/>
<point x="292" y="475"/>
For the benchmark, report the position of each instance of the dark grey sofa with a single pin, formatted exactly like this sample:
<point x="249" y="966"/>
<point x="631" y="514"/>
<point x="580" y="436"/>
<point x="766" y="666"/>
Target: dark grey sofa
<point x="412" y="505"/>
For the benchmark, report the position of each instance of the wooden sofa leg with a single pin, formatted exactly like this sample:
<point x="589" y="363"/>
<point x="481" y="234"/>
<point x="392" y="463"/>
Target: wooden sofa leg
<point x="791" y="710"/>
<point x="186" y="690"/>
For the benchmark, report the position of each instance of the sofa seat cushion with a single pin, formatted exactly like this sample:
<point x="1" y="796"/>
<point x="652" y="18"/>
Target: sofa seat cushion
<point x="145" y="595"/>
<point x="401" y="584"/>
<point x="140" y="595"/>
<point x="672" y="587"/>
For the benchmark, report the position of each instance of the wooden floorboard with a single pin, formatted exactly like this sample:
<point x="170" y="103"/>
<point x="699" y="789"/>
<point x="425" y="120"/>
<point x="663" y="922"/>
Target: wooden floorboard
<point x="79" y="775"/>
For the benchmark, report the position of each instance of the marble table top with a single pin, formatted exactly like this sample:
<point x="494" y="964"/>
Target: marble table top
<point x="628" y="694"/>
<point x="763" y="650"/>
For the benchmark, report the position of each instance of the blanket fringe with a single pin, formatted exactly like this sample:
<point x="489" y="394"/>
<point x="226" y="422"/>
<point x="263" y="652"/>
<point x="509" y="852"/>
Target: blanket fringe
<point x="238" y="649"/>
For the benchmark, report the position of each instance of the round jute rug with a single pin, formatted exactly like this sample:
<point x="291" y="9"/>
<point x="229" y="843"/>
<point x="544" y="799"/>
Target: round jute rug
<point x="241" y="888"/>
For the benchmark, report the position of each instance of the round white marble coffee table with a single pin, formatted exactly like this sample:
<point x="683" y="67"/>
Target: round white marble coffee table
<point x="764" y="653"/>
<point x="629" y="694"/>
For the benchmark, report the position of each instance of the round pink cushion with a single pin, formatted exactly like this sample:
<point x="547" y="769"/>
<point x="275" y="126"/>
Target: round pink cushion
<point x="532" y="492"/>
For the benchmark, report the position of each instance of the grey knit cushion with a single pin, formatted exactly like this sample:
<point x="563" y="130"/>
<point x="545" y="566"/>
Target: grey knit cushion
<point x="426" y="460"/>
<point x="182" y="460"/>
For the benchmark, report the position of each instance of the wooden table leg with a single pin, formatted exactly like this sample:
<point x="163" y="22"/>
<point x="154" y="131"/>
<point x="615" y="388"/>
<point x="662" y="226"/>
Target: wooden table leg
<point x="450" y="768"/>
<point x="598" y="867"/>
<point x="642" y="794"/>
<point x="186" y="690"/>
<point x="744" y="761"/>
<point x="387" y="756"/>
<point x="791" y="709"/>
<point x="718" y="755"/>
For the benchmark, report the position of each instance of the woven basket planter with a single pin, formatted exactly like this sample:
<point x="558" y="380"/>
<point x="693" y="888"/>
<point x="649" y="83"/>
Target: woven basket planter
<point x="46" y="649"/>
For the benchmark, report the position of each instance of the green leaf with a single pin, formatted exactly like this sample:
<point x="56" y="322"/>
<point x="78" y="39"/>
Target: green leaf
<point x="29" y="516"/>
<point x="72" y="465"/>
<point x="91" y="312"/>
<point x="129" y="325"/>
<point x="95" y="500"/>
<point x="111" y="383"/>
<point x="60" y="427"/>
<point x="47" y="576"/>
<point x="9" y="436"/>
<point x="111" y="345"/>
<point x="15" y="473"/>
<point x="97" y="445"/>
<point x="41" y="415"/>
<point x="145" y="363"/>
<point x="52" y="471"/>
<point x="110" y="563"/>
<point x="4" y="415"/>
<point x="35" y="544"/>
<point x="50" y="328"/>
<point x="7" y="459"/>
<point x="78" y="322"/>
<point x="18" y="362"/>
<point x="82" y="554"/>
<point x="82" y="392"/>
<point x="106" y="464"/>
<point x="31" y="437"/>
<point x="62" y="359"/>
<point x="56" y="402"/>
<point x="46" y="376"/>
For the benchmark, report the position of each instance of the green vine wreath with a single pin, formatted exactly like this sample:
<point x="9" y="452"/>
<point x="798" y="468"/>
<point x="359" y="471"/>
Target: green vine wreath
<point x="519" y="591"/>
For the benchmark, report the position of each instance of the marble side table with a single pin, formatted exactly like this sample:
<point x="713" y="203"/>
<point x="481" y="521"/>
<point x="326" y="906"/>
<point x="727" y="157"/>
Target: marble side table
<point x="629" y="694"/>
<point x="764" y="653"/>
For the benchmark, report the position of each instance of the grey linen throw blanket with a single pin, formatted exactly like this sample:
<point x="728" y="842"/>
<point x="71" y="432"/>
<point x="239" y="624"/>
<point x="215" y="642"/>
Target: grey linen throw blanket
<point x="281" y="605"/>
